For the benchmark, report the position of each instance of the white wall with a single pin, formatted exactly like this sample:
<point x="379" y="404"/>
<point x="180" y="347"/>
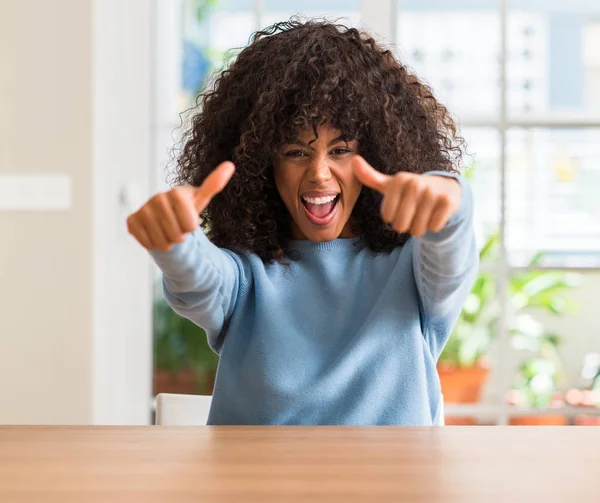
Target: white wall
<point x="45" y="258"/>
<point x="74" y="290"/>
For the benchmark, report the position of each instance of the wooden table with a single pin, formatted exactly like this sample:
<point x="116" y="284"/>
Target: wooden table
<point x="292" y="464"/>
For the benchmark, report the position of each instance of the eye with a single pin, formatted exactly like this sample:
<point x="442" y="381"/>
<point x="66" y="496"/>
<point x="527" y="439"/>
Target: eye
<point x="340" y="151"/>
<point x="295" y="153"/>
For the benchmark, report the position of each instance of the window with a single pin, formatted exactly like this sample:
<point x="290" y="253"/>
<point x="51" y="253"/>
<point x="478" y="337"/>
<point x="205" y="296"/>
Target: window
<point x="281" y="10"/>
<point x="521" y="77"/>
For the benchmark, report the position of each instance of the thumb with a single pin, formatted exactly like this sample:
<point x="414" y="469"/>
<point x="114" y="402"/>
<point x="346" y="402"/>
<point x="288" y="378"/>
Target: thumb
<point x="214" y="183"/>
<point x="369" y="176"/>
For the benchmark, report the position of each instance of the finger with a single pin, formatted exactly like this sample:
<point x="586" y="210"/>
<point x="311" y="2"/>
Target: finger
<point x="214" y="183"/>
<point x="166" y="217"/>
<point x="424" y="210"/>
<point x="405" y="211"/>
<point x="154" y="230"/>
<point x="144" y="239"/>
<point x="185" y="211"/>
<point x="441" y="214"/>
<point x="369" y="176"/>
<point x="390" y="203"/>
<point x="136" y="229"/>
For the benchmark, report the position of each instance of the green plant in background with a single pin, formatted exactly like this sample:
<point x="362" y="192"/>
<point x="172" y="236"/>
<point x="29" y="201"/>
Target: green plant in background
<point x="203" y="7"/>
<point x="474" y="330"/>
<point x="537" y="378"/>
<point x="529" y="293"/>
<point x="547" y="291"/>
<point x="180" y="344"/>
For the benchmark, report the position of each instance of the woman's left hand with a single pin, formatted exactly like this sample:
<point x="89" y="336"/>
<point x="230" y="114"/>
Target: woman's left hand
<point x="412" y="202"/>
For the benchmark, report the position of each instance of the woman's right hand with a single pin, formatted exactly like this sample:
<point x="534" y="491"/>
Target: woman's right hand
<point x="167" y="217"/>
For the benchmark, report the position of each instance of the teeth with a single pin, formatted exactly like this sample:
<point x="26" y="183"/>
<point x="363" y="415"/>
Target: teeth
<point x="319" y="200"/>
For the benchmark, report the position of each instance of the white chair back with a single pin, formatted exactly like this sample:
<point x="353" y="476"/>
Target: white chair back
<point x="441" y="421"/>
<point x="182" y="410"/>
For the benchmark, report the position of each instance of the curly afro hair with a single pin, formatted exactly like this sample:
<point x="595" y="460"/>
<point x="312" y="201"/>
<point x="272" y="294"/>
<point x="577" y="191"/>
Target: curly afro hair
<point x="294" y="76"/>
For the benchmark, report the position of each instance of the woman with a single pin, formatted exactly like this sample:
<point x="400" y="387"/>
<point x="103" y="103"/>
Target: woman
<point x="339" y="244"/>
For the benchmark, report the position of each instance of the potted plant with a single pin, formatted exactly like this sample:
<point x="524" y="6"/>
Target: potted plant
<point x="536" y="382"/>
<point x="462" y="365"/>
<point x="183" y="360"/>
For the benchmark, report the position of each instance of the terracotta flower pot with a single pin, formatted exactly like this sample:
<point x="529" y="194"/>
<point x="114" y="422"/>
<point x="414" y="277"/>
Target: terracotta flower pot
<point x="182" y="382"/>
<point x="587" y="421"/>
<point x="462" y="385"/>
<point x="539" y="420"/>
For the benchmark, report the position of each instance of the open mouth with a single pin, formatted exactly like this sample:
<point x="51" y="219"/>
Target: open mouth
<point x="321" y="210"/>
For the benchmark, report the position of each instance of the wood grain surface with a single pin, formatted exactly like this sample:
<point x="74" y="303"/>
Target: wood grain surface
<point x="297" y="464"/>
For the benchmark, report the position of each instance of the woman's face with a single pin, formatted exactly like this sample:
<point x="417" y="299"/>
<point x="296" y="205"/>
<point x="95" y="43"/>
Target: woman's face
<point x="317" y="184"/>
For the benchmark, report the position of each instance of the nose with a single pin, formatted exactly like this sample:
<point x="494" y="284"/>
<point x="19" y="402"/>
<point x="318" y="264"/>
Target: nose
<point x="319" y="171"/>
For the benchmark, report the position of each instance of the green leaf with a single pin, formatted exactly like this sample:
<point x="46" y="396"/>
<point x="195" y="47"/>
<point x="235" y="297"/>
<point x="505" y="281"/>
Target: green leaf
<point x="489" y="249"/>
<point x="179" y="343"/>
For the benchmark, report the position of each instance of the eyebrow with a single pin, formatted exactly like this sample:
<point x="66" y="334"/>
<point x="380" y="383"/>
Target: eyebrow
<point x="332" y="142"/>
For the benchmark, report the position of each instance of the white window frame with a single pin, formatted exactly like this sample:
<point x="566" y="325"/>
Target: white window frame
<point x="122" y="34"/>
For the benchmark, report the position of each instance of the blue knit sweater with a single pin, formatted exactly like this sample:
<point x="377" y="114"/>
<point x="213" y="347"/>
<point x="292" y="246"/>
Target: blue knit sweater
<point x="341" y="336"/>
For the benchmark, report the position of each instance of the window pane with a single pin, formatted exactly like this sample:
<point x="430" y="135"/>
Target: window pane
<point x="454" y="47"/>
<point x="343" y="11"/>
<point x="482" y="167"/>
<point x="553" y="57"/>
<point x="210" y="30"/>
<point x="553" y="206"/>
<point x="555" y="339"/>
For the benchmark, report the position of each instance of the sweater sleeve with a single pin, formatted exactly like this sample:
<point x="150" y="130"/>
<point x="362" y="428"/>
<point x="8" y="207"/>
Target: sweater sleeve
<point x="201" y="282"/>
<point x="445" y="266"/>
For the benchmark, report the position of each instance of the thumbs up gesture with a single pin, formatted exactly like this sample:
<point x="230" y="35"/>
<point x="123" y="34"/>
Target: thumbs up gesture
<point x="165" y="219"/>
<point x="412" y="202"/>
